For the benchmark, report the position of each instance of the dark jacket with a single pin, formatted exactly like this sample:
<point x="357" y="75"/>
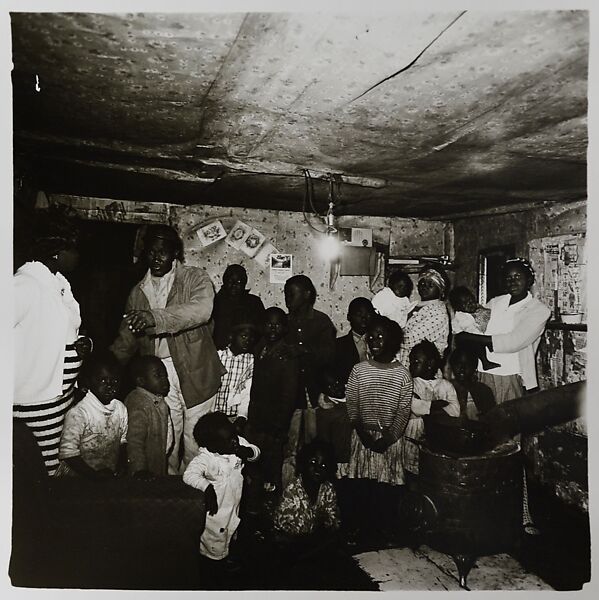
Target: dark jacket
<point x="346" y="356"/>
<point x="147" y="432"/>
<point x="316" y="332"/>
<point x="186" y="318"/>
<point x="275" y="386"/>
<point x="227" y="310"/>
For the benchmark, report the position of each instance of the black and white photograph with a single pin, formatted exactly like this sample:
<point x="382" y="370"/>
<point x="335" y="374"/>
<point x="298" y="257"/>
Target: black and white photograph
<point x="299" y="298"/>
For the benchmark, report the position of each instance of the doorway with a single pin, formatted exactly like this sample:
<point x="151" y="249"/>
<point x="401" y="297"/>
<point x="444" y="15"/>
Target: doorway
<point x="490" y="266"/>
<point x="105" y="275"/>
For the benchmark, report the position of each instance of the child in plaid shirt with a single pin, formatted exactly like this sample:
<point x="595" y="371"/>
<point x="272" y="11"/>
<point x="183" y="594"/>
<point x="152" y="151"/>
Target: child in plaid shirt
<point x="233" y="396"/>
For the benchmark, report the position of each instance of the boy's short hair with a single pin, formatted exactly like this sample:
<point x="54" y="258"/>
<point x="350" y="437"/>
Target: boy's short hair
<point x="399" y="275"/>
<point x="95" y="361"/>
<point x="430" y="350"/>
<point x="242" y="320"/>
<point x="205" y="430"/>
<point x="278" y="311"/>
<point x="139" y="365"/>
<point x="306" y="452"/>
<point x="303" y="282"/>
<point x="392" y="328"/>
<point x="457" y="294"/>
<point x="357" y="302"/>
<point x="464" y="351"/>
<point x="231" y="269"/>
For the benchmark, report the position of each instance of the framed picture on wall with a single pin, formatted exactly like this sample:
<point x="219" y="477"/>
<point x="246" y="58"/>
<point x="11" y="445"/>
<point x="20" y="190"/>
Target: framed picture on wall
<point x="490" y="265"/>
<point x="211" y="233"/>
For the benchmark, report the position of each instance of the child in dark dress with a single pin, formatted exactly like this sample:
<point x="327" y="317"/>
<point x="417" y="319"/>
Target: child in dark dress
<point x="332" y="422"/>
<point x="272" y="400"/>
<point x="475" y="398"/>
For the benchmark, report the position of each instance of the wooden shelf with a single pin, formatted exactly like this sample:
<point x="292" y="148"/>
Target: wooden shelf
<point x="557" y="325"/>
<point x="416" y="268"/>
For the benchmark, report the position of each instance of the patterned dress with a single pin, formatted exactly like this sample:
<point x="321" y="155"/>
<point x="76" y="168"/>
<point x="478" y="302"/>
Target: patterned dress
<point x="428" y="321"/>
<point x="296" y="515"/>
<point x="379" y="397"/>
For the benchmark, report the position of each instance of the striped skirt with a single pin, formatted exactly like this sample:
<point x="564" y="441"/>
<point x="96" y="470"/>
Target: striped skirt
<point x="46" y="418"/>
<point x="367" y="464"/>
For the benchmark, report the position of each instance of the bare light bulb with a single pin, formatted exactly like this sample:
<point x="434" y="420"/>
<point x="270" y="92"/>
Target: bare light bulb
<point x="330" y="248"/>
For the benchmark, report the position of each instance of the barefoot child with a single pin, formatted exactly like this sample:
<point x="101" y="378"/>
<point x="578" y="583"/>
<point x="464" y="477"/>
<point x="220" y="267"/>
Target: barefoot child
<point x="471" y="317"/>
<point x="150" y="438"/>
<point x="216" y="470"/>
<point x="431" y="394"/>
<point x="95" y="430"/>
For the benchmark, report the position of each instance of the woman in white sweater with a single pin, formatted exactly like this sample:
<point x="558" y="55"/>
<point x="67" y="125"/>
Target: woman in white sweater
<point x="511" y="339"/>
<point x="48" y="349"/>
<point x="513" y="334"/>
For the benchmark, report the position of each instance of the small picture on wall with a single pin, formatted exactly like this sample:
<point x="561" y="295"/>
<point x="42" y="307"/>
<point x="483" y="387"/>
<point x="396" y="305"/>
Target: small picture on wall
<point x="238" y="234"/>
<point x="211" y="233"/>
<point x="252" y="243"/>
<point x="281" y="267"/>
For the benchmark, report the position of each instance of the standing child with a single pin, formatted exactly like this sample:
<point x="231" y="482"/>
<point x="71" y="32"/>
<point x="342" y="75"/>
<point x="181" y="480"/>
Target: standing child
<point x="233" y="396"/>
<point x="471" y="317"/>
<point x="272" y="400"/>
<point x="393" y="301"/>
<point x="216" y="470"/>
<point x="332" y="422"/>
<point x="431" y="394"/>
<point x="95" y="429"/>
<point x="475" y="397"/>
<point x="378" y="392"/>
<point x="150" y="438"/>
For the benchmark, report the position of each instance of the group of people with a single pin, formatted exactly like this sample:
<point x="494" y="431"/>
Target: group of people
<point x="258" y="405"/>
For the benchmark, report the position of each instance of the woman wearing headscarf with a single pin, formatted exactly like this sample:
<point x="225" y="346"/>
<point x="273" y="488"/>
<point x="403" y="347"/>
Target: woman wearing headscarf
<point x="48" y="348"/>
<point x="429" y="319"/>
<point x="511" y="339"/>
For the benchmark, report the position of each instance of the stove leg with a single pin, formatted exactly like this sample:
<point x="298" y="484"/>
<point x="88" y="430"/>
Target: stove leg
<point x="464" y="562"/>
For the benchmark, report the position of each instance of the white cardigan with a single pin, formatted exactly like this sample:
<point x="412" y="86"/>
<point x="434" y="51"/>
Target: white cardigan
<point x="524" y="338"/>
<point x="46" y="319"/>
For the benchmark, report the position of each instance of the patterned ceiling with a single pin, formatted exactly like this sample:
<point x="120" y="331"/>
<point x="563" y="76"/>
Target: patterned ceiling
<point x="417" y="114"/>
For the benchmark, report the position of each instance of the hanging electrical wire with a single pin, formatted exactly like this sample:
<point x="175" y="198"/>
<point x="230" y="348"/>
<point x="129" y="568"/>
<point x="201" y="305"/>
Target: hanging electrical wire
<point x="308" y="192"/>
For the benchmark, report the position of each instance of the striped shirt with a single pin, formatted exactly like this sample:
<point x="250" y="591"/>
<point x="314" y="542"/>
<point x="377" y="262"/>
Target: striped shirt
<point x="379" y="396"/>
<point x="234" y="383"/>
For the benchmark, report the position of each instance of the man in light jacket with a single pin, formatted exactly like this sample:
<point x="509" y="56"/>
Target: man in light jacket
<point x="168" y="315"/>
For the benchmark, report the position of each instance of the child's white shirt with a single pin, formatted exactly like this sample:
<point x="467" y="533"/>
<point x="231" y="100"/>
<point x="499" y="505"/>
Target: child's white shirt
<point x="216" y="469"/>
<point x="387" y="304"/>
<point x="94" y="431"/>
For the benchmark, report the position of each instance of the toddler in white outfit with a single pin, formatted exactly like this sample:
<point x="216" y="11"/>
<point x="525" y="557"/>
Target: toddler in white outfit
<point x="393" y="301"/>
<point x="216" y="470"/>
